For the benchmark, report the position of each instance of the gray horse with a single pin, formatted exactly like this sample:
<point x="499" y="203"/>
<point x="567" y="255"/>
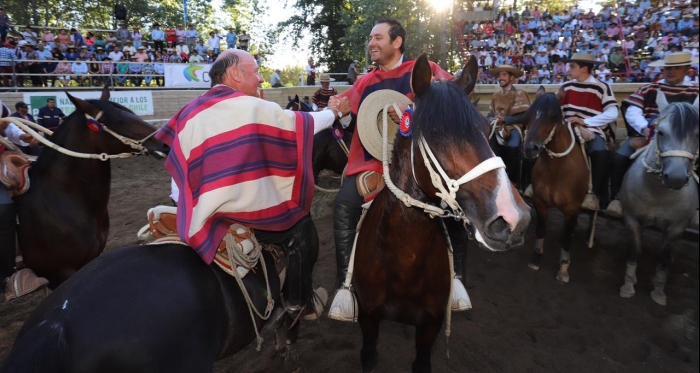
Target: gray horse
<point x="660" y="189"/>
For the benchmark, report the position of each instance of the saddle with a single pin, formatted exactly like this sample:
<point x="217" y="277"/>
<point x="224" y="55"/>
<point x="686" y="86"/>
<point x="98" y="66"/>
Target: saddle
<point x="162" y="225"/>
<point x="369" y="184"/>
<point x="14" y="171"/>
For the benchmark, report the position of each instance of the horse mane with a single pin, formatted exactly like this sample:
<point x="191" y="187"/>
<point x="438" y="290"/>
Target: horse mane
<point x="684" y="119"/>
<point x="545" y="108"/>
<point x="446" y="115"/>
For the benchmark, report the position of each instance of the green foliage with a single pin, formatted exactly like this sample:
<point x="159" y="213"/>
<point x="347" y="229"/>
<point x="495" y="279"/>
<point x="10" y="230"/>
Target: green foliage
<point x="290" y="75"/>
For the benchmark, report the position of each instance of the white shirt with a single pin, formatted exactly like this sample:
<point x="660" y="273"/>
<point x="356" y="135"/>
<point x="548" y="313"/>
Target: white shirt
<point x="635" y="116"/>
<point x="12" y="131"/>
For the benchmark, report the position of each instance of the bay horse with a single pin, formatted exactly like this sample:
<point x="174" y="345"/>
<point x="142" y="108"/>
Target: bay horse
<point x="402" y="262"/>
<point x="327" y="153"/>
<point x="559" y="177"/>
<point x="658" y="190"/>
<point x="63" y="217"/>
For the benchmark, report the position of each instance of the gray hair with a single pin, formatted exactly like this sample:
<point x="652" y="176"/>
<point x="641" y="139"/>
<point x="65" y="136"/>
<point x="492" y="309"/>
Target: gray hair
<point x="218" y="69"/>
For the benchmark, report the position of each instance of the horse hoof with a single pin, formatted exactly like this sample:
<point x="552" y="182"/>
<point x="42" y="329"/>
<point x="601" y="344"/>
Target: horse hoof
<point x="534" y="267"/>
<point x="563" y="277"/>
<point x="627" y="291"/>
<point x="659" y="297"/>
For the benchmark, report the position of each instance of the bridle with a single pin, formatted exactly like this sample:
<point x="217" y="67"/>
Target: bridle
<point x="658" y="155"/>
<point x="95" y="125"/>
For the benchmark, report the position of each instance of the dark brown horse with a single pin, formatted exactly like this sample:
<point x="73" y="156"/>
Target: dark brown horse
<point x="63" y="218"/>
<point x="559" y="177"/>
<point x="402" y="270"/>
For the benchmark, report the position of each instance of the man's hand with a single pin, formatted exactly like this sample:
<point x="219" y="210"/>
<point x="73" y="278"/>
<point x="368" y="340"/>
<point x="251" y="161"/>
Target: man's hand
<point x="646" y="132"/>
<point x="500" y="119"/>
<point x="340" y="104"/>
<point x="396" y="117"/>
<point x="576" y="120"/>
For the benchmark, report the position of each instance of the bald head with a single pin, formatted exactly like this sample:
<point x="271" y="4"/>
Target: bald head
<point x="237" y="69"/>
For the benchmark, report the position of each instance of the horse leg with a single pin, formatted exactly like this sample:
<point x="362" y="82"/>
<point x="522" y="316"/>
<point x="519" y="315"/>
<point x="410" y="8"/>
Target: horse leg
<point x="664" y="260"/>
<point x="627" y="289"/>
<point x="425" y="338"/>
<point x="565" y="241"/>
<point x="369" y="357"/>
<point x="539" y="237"/>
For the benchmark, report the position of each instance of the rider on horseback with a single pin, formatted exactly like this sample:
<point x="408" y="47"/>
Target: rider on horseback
<point x="393" y="71"/>
<point x="252" y="189"/>
<point x="640" y="110"/>
<point x="589" y="102"/>
<point x="507" y="114"/>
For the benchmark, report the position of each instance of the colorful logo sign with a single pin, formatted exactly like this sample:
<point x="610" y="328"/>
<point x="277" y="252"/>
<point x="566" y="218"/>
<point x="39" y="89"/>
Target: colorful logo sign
<point x="190" y="73"/>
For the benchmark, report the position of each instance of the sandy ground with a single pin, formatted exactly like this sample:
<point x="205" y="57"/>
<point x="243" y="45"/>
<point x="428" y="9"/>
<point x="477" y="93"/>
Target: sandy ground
<point x="523" y="321"/>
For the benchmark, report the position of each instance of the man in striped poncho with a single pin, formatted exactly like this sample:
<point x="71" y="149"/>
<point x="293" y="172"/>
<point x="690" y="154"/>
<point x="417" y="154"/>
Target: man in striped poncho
<point x="239" y="159"/>
<point x="641" y="107"/>
<point x="588" y="102"/>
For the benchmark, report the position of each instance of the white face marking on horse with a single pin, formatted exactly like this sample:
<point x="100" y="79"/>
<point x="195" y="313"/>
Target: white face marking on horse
<point x="506" y="206"/>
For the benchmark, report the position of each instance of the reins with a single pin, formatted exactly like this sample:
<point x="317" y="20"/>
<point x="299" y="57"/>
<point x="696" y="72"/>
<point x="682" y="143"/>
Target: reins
<point x="31" y="128"/>
<point x="658" y="155"/>
<point x="575" y="133"/>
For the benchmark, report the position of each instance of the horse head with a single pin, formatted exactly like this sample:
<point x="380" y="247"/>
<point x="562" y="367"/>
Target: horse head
<point x="542" y="117"/>
<point x="676" y="140"/>
<point x="116" y="128"/>
<point x="296" y="104"/>
<point x="449" y="129"/>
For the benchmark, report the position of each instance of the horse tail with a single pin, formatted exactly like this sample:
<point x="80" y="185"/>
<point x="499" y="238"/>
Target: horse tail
<point x="42" y="349"/>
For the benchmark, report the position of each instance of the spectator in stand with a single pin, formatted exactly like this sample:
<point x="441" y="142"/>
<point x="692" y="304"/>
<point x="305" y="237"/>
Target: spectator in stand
<point x="542" y="58"/>
<point x="90" y="41"/>
<point x="111" y="40"/>
<point x="115" y="54"/>
<point x="201" y="48"/>
<point x="214" y="42"/>
<point x="5" y="25"/>
<point x="94" y="68"/>
<point x="136" y="37"/>
<point x="135" y="72"/>
<point x="129" y="48"/>
<point x="603" y="73"/>
<point x="121" y="68"/>
<point x="311" y="72"/>
<point x="6" y="67"/>
<point x="158" y="37"/>
<point x="196" y="58"/>
<point x="107" y="68"/>
<point x="211" y="57"/>
<point x="147" y="72"/>
<point x="29" y="35"/>
<point x="629" y="44"/>
<point x="64" y="69"/>
<point x="191" y="36"/>
<point x="50" y="116"/>
<point x="84" y="54"/>
<point x="617" y="61"/>
<point x="180" y="32"/>
<point x="181" y="48"/>
<point x="79" y="69"/>
<point x="71" y="54"/>
<point x="243" y="41"/>
<point x="123" y="34"/>
<point x="685" y="25"/>
<point x="231" y="39"/>
<point x="170" y="35"/>
<point x="159" y="70"/>
<point x="275" y="79"/>
<point x="141" y="54"/>
<point x="48" y="38"/>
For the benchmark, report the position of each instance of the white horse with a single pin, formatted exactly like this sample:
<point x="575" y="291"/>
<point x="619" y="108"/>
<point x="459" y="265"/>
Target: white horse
<point x="659" y="190"/>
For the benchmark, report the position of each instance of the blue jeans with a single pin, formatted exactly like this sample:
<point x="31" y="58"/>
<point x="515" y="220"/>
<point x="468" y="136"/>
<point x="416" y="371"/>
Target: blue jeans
<point x="625" y="149"/>
<point x="596" y="145"/>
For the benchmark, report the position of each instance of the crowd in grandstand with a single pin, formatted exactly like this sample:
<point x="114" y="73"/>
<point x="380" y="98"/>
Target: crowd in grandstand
<point x="122" y="57"/>
<point x="624" y="40"/>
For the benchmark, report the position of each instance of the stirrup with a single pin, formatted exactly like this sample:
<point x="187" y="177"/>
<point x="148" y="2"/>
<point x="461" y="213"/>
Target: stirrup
<point x="460" y="298"/>
<point x="23" y="282"/>
<point x="590" y="202"/>
<point x="614" y="209"/>
<point x="528" y="191"/>
<point x="320" y="298"/>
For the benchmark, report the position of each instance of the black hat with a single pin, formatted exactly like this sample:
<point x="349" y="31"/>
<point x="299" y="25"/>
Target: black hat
<point x="20" y="104"/>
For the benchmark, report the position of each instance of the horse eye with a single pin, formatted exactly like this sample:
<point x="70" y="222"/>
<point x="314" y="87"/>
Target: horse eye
<point x="659" y="133"/>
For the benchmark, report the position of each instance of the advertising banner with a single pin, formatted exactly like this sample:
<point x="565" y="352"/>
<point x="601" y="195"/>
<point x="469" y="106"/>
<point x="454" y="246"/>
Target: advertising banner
<point x="140" y="102"/>
<point x="187" y="76"/>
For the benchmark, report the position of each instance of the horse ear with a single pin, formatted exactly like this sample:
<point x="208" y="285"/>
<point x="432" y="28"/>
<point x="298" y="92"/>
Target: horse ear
<point x="105" y="94"/>
<point x="540" y="92"/>
<point x="421" y="76"/>
<point x="296" y="98"/>
<point x="289" y="98"/>
<point x="661" y="101"/>
<point x="82" y="105"/>
<point x="467" y="79"/>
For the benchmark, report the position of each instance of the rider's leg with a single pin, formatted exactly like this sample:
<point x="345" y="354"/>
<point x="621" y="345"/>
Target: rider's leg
<point x="620" y="163"/>
<point x="514" y="160"/>
<point x="459" y="238"/>
<point x="348" y="208"/>
<point x="600" y="159"/>
<point x="7" y="238"/>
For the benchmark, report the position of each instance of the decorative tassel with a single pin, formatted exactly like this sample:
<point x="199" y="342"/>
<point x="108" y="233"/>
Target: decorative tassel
<point x="460" y="298"/>
<point x="344" y="306"/>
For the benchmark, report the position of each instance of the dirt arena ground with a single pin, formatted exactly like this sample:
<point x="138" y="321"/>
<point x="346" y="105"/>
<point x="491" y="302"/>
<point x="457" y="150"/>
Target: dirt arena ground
<point x="522" y="321"/>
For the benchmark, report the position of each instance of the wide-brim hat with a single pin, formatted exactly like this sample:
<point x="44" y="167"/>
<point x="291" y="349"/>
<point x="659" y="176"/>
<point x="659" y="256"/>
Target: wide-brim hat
<point x="370" y="120"/>
<point x="508" y="68"/>
<point x="326" y="78"/>
<point x="581" y="57"/>
<point x="676" y="59"/>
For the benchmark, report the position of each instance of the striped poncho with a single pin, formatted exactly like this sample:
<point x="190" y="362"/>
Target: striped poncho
<point x="237" y="159"/>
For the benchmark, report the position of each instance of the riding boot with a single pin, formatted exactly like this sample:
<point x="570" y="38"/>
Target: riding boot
<point x="599" y="176"/>
<point x="345" y="221"/>
<point x="620" y="164"/>
<point x="513" y="167"/>
<point x="459" y="239"/>
<point x="7" y="242"/>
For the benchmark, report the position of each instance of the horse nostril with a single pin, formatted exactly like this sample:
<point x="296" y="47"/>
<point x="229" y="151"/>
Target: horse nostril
<point x="499" y="228"/>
